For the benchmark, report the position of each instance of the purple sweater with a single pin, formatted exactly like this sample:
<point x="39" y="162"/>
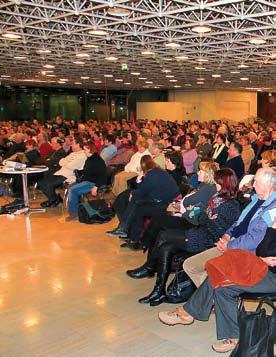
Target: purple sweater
<point x="189" y="158"/>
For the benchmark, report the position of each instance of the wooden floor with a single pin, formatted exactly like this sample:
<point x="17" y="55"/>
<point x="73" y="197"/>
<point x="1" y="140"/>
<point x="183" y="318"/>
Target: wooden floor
<point x="64" y="292"/>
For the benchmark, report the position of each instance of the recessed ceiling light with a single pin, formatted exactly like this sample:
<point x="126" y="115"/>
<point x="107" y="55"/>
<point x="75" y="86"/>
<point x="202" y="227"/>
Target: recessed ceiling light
<point x="50" y="75"/>
<point x="173" y="80"/>
<point x="274" y="18"/>
<point x="77" y="83"/>
<point x="61" y="82"/>
<point x="181" y="57"/>
<point x="199" y="67"/>
<point x="200" y="83"/>
<point x="177" y="86"/>
<point x="98" y="32"/>
<point x="11" y="36"/>
<point x="244" y="79"/>
<point x="147" y="53"/>
<point x="242" y="65"/>
<point x="216" y="75"/>
<point x="108" y="75"/>
<point x="169" y="76"/>
<point x="143" y="78"/>
<point x="5" y="76"/>
<point x="97" y="81"/>
<point x="201" y="29"/>
<point x="20" y="57"/>
<point x="149" y="82"/>
<point x="168" y="59"/>
<point x="201" y="60"/>
<point x="64" y="79"/>
<point x="111" y="58"/>
<point x="78" y="62"/>
<point x="88" y="45"/>
<point x="127" y="83"/>
<point x="188" y="84"/>
<point x="227" y="81"/>
<point x="82" y="55"/>
<point x="235" y="72"/>
<point x="135" y="73"/>
<point x="85" y="77"/>
<point x="119" y="80"/>
<point x="172" y="45"/>
<point x="49" y="66"/>
<point x="118" y="11"/>
<point x="257" y="41"/>
<point x="43" y="51"/>
<point x="166" y="71"/>
<point x="201" y="79"/>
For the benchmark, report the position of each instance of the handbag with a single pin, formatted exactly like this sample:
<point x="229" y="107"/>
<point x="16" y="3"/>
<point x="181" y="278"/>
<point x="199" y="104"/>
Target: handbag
<point x="95" y="211"/>
<point x="180" y="289"/>
<point x="257" y="332"/>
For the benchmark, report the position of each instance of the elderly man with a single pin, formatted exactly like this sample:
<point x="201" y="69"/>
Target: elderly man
<point x="247" y="233"/>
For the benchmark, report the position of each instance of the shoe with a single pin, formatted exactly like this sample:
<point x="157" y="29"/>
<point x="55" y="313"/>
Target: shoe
<point x="126" y="239"/>
<point x="56" y="202"/>
<point x="117" y="233"/>
<point x="156" y="295"/>
<point x="132" y="245"/>
<point x="226" y="345"/>
<point x="158" y="300"/>
<point x="140" y="273"/>
<point x="45" y="204"/>
<point x="71" y="218"/>
<point x="175" y="317"/>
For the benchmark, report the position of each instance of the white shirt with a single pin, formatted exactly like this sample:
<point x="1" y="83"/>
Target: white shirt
<point x="134" y="164"/>
<point x="74" y="161"/>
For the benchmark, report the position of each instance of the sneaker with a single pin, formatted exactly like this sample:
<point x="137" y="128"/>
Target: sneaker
<point x="226" y="345"/>
<point x="72" y="218"/>
<point x="117" y="233"/>
<point x="175" y="317"/>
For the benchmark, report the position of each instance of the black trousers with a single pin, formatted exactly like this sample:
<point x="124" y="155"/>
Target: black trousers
<point x="120" y="204"/>
<point x="161" y="223"/>
<point x="49" y="184"/>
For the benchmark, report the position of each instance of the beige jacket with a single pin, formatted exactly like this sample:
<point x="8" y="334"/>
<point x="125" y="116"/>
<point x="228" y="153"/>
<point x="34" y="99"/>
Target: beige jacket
<point x="74" y="161"/>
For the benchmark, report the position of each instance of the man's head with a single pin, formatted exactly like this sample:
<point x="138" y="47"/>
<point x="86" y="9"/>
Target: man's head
<point x="77" y="144"/>
<point x="142" y="145"/>
<point x="265" y="182"/>
<point x="56" y="143"/>
<point x="109" y="140"/>
<point x="235" y="149"/>
<point x="19" y="138"/>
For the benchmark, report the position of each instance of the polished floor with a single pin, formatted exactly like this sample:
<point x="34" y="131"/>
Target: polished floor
<point x="64" y="292"/>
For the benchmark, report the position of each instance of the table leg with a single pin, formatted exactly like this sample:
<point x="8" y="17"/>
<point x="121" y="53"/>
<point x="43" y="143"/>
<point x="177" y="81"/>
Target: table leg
<point x="25" y="190"/>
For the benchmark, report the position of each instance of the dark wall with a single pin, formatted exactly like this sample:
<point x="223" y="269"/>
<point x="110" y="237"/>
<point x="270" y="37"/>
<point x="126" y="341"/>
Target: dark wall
<point x="266" y="107"/>
<point x="45" y="103"/>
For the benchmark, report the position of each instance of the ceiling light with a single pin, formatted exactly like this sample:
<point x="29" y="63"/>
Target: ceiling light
<point x="148" y="82"/>
<point x="20" y="57"/>
<point x="201" y="29"/>
<point x="50" y="75"/>
<point x="235" y="72"/>
<point x="43" y="51"/>
<point x="5" y="76"/>
<point x="147" y="53"/>
<point x="199" y="67"/>
<point x="143" y="78"/>
<point x="172" y="45"/>
<point x="64" y="79"/>
<point x="167" y="59"/>
<point x="244" y="79"/>
<point x="77" y="83"/>
<point x="82" y="55"/>
<point x="98" y="32"/>
<point x="78" y="62"/>
<point x="201" y="60"/>
<point x="111" y="58"/>
<point x="118" y="11"/>
<point x="166" y="70"/>
<point x="200" y="83"/>
<point x="201" y="79"/>
<point x="274" y="19"/>
<point x="135" y="73"/>
<point x="88" y="45"/>
<point x="181" y="57"/>
<point x="227" y="81"/>
<point x="173" y="80"/>
<point x="85" y="77"/>
<point x="127" y="83"/>
<point x="216" y="75"/>
<point x="108" y="75"/>
<point x="257" y="41"/>
<point x="242" y="65"/>
<point x="188" y="84"/>
<point x="49" y="66"/>
<point x="11" y="36"/>
<point x="118" y="80"/>
<point x="169" y="76"/>
<point x="177" y="86"/>
<point x="97" y="81"/>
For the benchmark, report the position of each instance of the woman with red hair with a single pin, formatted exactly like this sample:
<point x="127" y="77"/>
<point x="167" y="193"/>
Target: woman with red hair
<point x="89" y="179"/>
<point x="222" y="211"/>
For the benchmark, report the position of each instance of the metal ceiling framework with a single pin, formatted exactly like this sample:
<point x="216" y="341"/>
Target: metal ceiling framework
<point x="62" y="27"/>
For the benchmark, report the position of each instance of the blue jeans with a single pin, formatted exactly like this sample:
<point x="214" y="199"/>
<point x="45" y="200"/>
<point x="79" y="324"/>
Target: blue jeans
<point x="75" y="191"/>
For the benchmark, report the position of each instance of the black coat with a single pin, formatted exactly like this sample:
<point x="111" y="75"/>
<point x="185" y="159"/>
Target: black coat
<point x="237" y="165"/>
<point x="94" y="170"/>
<point x="52" y="162"/>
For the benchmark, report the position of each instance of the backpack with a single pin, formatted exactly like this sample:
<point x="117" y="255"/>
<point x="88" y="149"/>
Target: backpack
<point x="95" y="211"/>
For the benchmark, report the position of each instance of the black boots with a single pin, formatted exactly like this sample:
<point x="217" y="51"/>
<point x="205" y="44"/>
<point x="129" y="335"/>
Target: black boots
<point x="158" y="294"/>
<point x="145" y="271"/>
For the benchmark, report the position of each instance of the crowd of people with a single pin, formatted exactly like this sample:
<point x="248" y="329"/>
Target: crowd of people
<point x="198" y="189"/>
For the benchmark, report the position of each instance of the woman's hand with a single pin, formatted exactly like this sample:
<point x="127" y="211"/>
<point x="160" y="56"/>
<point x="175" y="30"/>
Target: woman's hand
<point x="214" y="216"/>
<point x="94" y="191"/>
<point x="270" y="261"/>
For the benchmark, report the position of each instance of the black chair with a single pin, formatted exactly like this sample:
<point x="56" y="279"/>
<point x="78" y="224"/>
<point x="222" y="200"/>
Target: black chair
<point x="257" y="297"/>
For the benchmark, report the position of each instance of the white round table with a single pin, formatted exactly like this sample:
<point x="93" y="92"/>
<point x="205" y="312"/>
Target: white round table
<point x="24" y="173"/>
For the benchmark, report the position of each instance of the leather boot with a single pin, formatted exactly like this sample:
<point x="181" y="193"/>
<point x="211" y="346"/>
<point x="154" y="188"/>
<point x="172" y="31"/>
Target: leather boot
<point x="145" y="271"/>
